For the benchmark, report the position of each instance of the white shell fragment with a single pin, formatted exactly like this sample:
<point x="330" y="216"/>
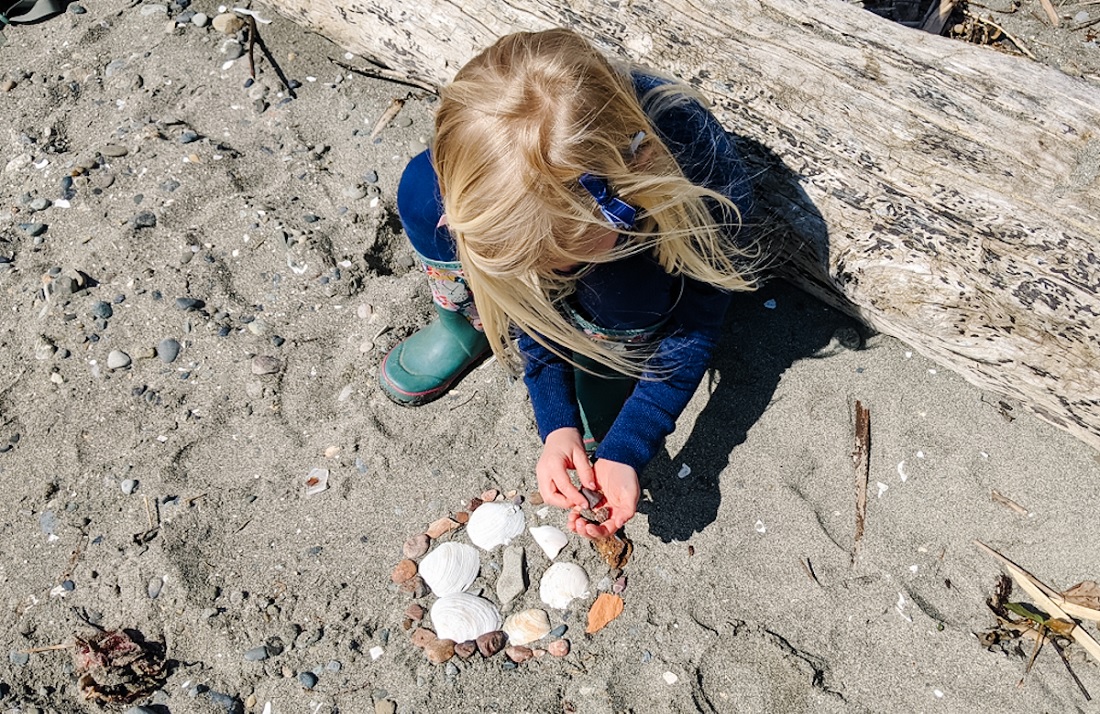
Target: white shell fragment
<point x="550" y="539"/>
<point x="462" y="617"/>
<point x="450" y="568"/>
<point x="494" y="524"/>
<point x="527" y="626"/>
<point x="316" y="481"/>
<point x="561" y="583"/>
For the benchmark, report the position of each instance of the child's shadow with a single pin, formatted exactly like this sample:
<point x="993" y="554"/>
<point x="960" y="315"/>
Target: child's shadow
<point x="758" y="345"/>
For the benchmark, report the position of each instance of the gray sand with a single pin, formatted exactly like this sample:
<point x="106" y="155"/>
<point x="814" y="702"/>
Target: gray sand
<point x="720" y="614"/>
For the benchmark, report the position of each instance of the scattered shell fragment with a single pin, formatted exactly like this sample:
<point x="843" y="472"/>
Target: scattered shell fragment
<point x="494" y="524"/>
<point x="606" y="608"/>
<point x="449" y="569"/>
<point x="316" y="481"/>
<point x="527" y="626"/>
<point x="460" y="617"/>
<point x="561" y="583"/>
<point x="550" y="539"/>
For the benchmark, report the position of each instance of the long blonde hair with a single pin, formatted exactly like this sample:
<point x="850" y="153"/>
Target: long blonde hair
<point x="517" y="127"/>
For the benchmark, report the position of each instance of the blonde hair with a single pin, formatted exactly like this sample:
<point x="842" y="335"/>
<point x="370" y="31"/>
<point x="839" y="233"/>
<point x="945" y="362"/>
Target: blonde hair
<point x="517" y="127"/>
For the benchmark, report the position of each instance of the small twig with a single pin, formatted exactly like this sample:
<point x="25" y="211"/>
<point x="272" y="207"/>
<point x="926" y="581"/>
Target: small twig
<point x="1008" y="503"/>
<point x="191" y="501"/>
<point x="388" y="75"/>
<point x="148" y="513"/>
<point x="50" y="648"/>
<point x="387" y="116"/>
<point x="252" y="46"/>
<point x="861" y="462"/>
<point x="1052" y="14"/>
<point x="465" y="401"/>
<point x="1077" y="681"/>
<point x="1011" y="38"/>
<point x="1040" y="638"/>
<point x="808" y="567"/>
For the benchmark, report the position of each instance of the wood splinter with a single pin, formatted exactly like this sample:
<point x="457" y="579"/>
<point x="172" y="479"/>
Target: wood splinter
<point x="861" y="463"/>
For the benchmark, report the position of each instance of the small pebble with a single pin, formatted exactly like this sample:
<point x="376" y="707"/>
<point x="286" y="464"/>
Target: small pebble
<point x="385" y="706"/>
<point x="264" y="364"/>
<point x="518" y="653"/>
<point x="491" y="642"/>
<point x="128" y="486"/>
<point x="33" y="229"/>
<point x="188" y="137"/>
<point x="200" y="19"/>
<point x="150" y="10"/>
<point x="308" y="680"/>
<point x="145" y="219"/>
<point x="421" y="637"/>
<point x="167" y="350"/>
<point x="68" y="585"/>
<point x="78" y="10"/>
<point x="39" y="204"/>
<point x="451" y="670"/>
<point x="355" y="192"/>
<point x="233" y="50"/>
<point x="465" y="650"/>
<point x="371" y="176"/>
<point x="189" y="303"/>
<point x="114" y="150"/>
<point x="414" y="611"/>
<point x="102" y="310"/>
<point x="333" y="666"/>
<point x="256" y="654"/>
<point x="18" y="658"/>
<point x="228" y="23"/>
<point x="118" y="359"/>
<point x="558" y="648"/>
<point x="154" y="587"/>
<point x="134" y="710"/>
<point x="559" y="631"/>
<point x="439" y="651"/>
<point x="416" y="545"/>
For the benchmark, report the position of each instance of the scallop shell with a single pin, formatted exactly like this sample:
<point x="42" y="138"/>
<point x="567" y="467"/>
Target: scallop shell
<point x="550" y="539"/>
<point x="462" y="617"/>
<point x="561" y="583"/>
<point x="527" y="626"/>
<point x="494" y="524"/>
<point x="450" y="568"/>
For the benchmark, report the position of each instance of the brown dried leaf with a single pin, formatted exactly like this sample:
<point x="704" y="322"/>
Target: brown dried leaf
<point x="1085" y="594"/>
<point x="606" y="608"/>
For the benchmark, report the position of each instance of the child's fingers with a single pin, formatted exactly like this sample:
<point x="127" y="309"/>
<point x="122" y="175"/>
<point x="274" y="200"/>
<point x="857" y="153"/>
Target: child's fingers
<point x="585" y="473"/>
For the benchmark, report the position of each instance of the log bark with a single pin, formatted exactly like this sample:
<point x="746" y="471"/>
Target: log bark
<point x="945" y="193"/>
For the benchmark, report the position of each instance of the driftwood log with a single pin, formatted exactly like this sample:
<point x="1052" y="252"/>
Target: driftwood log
<point x="945" y="193"/>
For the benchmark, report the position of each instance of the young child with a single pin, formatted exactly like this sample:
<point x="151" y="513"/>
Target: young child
<point x="593" y="211"/>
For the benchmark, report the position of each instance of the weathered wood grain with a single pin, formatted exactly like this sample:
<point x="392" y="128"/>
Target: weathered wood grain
<point x="945" y="193"/>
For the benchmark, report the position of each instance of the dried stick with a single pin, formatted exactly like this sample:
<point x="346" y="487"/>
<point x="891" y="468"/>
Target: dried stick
<point x="1022" y="47"/>
<point x="808" y="567"/>
<point x="1076" y="679"/>
<point x="388" y="75"/>
<point x="251" y="46"/>
<point x="1007" y="503"/>
<point x="861" y="463"/>
<point x="387" y="116"/>
<point x="1052" y="14"/>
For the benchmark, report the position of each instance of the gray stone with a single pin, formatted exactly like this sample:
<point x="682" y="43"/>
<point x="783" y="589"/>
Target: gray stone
<point x="150" y="10"/>
<point x="33" y="229"/>
<point x="145" y="219"/>
<point x="265" y="364"/>
<point x="167" y="350"/>
<point x="18" y="658"/>
<point x="77" y="10"/>
<point x="233" y="49"/>
<point x="513" y="578"/>
<point x="189" y="303"/>
<point x="129" y="485"/>
<point x="307" y="679"/>
<point x="114" y="150"/>
<point x="256" y="654"/>
<point x="188" y="137"/>
<point x="39" y="204"/>
<point x="153" y="588"/>
<point x="200" y="19"/>
<point x="118" y="359"/>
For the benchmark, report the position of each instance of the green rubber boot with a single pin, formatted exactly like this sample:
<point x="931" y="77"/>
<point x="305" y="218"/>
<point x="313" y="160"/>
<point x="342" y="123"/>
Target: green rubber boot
<point x="424" y="365"/>
<point x="601" y="397"/>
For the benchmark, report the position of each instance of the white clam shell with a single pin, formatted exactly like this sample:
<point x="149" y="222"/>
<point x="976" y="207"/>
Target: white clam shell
<point x="494" y="524"/>
<point x="450" y="568"/>
<point x="550" y="539"/>
<point x="462" y="617"/>
<point x="527" y="626"/>
<point x="561" y="583"/>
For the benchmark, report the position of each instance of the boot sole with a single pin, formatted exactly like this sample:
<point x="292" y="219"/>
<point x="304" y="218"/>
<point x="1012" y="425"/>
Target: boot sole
<point x="415" y="399"/>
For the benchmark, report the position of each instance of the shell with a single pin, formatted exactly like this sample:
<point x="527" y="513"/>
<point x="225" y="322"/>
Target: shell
<point x="561" y="583"/>
<point x="462" y="617"/>
<point x="527" y="626"/>
<point x="550" y="539"/>
<point x="494" y="524"/>
<point x="450" y="568"/>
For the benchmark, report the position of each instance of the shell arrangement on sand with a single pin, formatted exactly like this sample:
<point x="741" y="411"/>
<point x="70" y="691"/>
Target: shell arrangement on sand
<point x="450" y="568"/>
<point x="462" y="617"/>
<point x="550" y="539"/>
<point x="527" y="626"/>
<point x="494" y="524"/>
<point x="561" y="583"/>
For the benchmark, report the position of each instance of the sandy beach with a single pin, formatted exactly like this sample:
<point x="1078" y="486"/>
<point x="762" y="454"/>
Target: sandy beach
<point x="199" y="276"/>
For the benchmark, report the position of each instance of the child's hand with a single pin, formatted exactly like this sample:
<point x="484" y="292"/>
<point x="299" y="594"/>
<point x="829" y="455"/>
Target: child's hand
<point x="564" y="450"/>
<point x="619" y="485"/>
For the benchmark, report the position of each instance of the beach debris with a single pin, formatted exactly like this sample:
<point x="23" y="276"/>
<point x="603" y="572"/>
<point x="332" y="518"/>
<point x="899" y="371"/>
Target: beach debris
<point x="527" y="626"/>
<point x="684" y="471"/>
<point x="619" y="586"/>
<point x="403" y="571"/>
<point x="562" y="583"/>
<point x="513" y="578"/>
<point x="882" y="488"/>
<point x="388" y="115"/>
<point x="118" y="666"/>
<point x="416" y="545"/>
<point x="491" y="642"/>
<point x="1085" y="594"/>
<point x="316" y="481"/>
<point x="1008" y="503"/>
<point x="494" y="524"/>
<point x="670" y="678"/>
<point x="461" y="616"/>
<point x="902" y="475"/>
<point x="449" y="569"/>
<point x="607" y="607"/>
<point x="861" y="463"/>
<point x="441" y="526"/>
<point x="615" y="549"/>
<point x="550" y="539"/>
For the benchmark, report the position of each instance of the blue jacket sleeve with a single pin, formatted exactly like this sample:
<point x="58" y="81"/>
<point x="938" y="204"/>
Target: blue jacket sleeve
<point x="549" y="381"/>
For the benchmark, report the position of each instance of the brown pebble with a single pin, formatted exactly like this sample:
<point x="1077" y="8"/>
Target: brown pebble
<point x="414" y="611"/>
<point x="535" y="498"/>
<point x="462" y="517"/>
<point x="558" y="648"/>
<point x="438" y="528"/>
<point x="416" y="545"/>
<point x="466" y="649"/>
<point x="518" y="653"/>
<point x="439" y="651"/>
<point x="387" y="706"/>
<point x="619" y="586"/>
<point x="407" y="624"/>
<point x="405" y="570"/>
<point x="422" y="637"/>
<point x="7" y="85"/>
<point x="489" y="495"/>
<point x="491" y="642"/>
<point x="415" y="586"/>
<point x="474" y="503"/>
<point x="539" y="652"/>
